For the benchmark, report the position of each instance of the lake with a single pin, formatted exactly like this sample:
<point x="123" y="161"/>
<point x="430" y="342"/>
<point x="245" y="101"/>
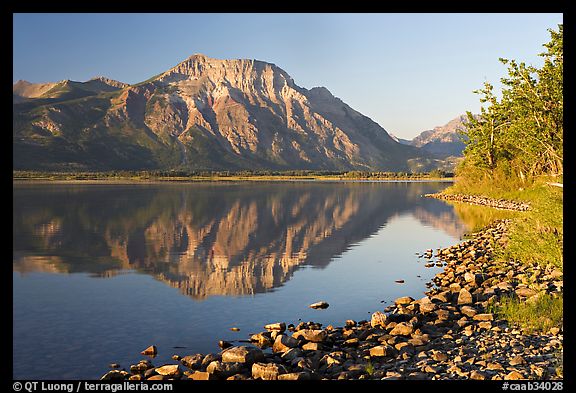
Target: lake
<point x="102" y="271"/>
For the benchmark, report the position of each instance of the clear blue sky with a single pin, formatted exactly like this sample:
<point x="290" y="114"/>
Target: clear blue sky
<point x="408" y="72"/>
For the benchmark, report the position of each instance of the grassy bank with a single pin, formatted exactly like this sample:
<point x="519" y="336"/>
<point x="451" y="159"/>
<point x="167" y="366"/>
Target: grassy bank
<point x="535" y="237"/>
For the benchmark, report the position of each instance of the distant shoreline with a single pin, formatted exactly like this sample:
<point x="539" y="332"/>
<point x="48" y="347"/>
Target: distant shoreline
<point x="103" y="177"/>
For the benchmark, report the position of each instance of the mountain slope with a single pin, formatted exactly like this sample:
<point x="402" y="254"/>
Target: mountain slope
<point x="201" y="114"/>
<point x="443" y="141"/>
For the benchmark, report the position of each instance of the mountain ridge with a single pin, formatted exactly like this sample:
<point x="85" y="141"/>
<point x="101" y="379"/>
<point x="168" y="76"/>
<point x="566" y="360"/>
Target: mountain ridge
<point x="203" y="113"/>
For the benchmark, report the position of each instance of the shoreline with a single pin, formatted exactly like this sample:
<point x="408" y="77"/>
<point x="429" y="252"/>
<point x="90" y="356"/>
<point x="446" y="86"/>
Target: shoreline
<point x="450" y="333"/>
<point x="230" y="179"/>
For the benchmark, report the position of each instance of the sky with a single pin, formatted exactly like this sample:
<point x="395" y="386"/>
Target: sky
<point x="408" y="72"/>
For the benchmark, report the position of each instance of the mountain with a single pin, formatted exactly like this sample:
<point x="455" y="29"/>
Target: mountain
<point x="204" y="113"/>
<point x="443" y="141"/>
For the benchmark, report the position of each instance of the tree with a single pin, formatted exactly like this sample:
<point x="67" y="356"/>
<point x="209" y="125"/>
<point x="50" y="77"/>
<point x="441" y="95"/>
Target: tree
<point x="523" y="131"/>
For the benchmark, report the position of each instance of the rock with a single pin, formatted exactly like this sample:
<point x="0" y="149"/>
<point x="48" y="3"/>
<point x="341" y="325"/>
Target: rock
<point x="278" y="326"/>
<point x="399" y="281"/>
<point x="319" y="305"/>
<point x="210" y="358"/>
<point x="464" y="297"/>
<point x="425" y="305"/>
<point x="378" y="319"/>
<point x="402" y="329"/>
<point x="313" y="335"/>
<point x="483" y="317"/>
<point x="169" y="370"/>
<point x="284" y="343"/>
<point x="442" y="314"/>
<point x="350" y="323"/>
<point x="419" y="340"/>
<point x="192" y="361"/>
<point x="224" y="344"/>
<point x="517" y="360"/>
<point x="235" y="329"/>
<point x="477" y="375"/>
<point x="267" y="371"/>
<point x="298" y="376"/>
<point x="115" y="375"/>
<point x="494" y="366"/>
<point x="468" y="311"/>
<point x="156" y="377"/>
<point x="136" y="377"/>
<point x="470" y="277"/>
<point x="439" y="356"/>
<point x="442" y="297"/>
<point x="263" y="339"/>
<point x="513" y="375"/>
<point x="525" y="292"/>
<point x="150" y="351"/>
<point x="404" y="300"/>
<point x="351" y="342"/>
<point x="201" y="376"/>
<point x="382" y="350"/>
<point x="554" y="331"/>
<point x="223" y="370"/>
<point x="242" y="354"/>
<point x="312" y="346"/>
<point x="292" y="354"/>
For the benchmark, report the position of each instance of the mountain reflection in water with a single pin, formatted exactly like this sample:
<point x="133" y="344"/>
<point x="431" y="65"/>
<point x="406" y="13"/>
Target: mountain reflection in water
<point x="208" y="238"/>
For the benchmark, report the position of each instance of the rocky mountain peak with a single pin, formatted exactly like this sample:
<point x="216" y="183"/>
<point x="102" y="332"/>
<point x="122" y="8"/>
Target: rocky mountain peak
<point x="217" y="114"/>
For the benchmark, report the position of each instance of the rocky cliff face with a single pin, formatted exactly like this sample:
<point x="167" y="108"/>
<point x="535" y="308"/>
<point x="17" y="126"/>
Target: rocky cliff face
<point x="203" y="113"/>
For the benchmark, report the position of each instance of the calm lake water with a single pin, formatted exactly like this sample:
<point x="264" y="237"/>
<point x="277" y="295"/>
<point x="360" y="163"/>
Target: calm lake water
<point x="102" y="271"/>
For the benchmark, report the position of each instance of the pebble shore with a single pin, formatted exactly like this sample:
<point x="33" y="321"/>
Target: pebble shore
<point x="447" y="334"/>
<point x="481" y="200"/>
